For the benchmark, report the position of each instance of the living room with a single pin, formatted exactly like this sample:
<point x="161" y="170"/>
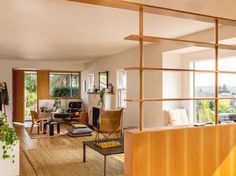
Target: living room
<point x="183" y="79"/>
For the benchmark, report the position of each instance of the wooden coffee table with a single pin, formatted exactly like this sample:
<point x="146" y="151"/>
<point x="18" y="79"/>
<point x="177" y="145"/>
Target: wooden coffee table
<point x="105" y="152"/>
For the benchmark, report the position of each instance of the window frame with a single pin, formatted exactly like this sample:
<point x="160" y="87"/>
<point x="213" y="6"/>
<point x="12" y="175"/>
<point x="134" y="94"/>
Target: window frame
<point x="121" y="88"/>
<point x="79" y="83"/>
<point x="89" y="85"/>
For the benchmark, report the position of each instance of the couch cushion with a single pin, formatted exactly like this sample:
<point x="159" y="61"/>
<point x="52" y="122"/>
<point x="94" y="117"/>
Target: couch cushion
<point x="178" y="117"/>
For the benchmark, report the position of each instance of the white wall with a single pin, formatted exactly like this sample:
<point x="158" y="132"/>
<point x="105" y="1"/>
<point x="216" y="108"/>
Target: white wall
<point x="6" y="166"/>
<point x="6" y="67"/>
<point x="112" y="64"/>
<point x="152" y="81"/>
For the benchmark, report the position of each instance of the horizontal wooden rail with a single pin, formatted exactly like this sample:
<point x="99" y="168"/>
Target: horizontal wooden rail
<point x="127" y="5"/>
<point x="178" y="99"/>
<point x="166" y="99"/>
<point x="178" y="69"/>
<point x="227" y="72"/>
<point x="188" y="42"/>
<point x="169" y="69"/>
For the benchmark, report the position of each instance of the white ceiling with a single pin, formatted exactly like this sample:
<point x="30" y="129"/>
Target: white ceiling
<point x="63" y="30"/>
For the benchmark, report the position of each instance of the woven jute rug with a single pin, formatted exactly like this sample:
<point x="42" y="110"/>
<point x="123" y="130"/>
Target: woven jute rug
<point x="35" y="135"/>
<point x="67" y="160"/>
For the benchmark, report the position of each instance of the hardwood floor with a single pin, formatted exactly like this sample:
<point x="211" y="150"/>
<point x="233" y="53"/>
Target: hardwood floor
<point x="26" y="142"/>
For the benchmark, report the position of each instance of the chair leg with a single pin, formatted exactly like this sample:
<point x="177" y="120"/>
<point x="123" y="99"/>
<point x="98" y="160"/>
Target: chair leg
<point x="41" y="126"/>
<point x="38" y="128"/>
<point x="31" y="129"/>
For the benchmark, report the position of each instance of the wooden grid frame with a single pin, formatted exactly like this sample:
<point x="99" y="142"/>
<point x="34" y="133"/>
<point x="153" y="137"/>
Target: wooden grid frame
<point x="141" y="38"/>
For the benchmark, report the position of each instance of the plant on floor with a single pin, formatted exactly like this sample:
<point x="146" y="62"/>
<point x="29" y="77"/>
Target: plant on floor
<point x="8" y="138"/>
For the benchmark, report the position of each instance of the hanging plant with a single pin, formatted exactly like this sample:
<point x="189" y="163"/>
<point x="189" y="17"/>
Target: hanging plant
<point x="8" y="138"/>
<point x="3" y="117"/>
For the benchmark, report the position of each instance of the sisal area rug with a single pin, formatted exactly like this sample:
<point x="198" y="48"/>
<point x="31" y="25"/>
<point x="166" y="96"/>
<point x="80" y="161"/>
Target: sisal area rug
<point x="35" y="135"/>
<point x="67" y="160"/>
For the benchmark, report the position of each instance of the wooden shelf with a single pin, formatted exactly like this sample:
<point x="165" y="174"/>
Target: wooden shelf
<point x="166" y="99"/>
<point x="178" y="99"/>
<point x="158" y="10"/>
<point x="169" y="69"/>
<point x="141" y="38"/>
<point x="152" y="39"/>
<point x="178" y="69"/>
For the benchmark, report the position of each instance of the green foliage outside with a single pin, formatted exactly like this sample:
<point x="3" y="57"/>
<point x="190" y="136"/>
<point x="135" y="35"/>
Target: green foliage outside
<point x="30" y="91"/>
<point x="64" y="85"/>
<point x="64" y="92"/>
<point x="205" y="109"/>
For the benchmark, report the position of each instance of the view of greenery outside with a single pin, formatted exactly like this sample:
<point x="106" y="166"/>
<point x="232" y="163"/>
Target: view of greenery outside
<point x="204" y="110"/>
<point x="64" y="85"/>
<point x="203" y="86"/>
<point x="30" y="92"/>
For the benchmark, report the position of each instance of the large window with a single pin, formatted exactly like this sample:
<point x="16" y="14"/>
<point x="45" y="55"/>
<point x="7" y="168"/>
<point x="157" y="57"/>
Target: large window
<point x="203" y="86"/>
<point x="64" y="84"/>
<point x="121" y="88"/>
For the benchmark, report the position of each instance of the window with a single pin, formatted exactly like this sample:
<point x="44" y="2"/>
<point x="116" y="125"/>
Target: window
<point x="90" y="82"/>
<point x="121" y="88"/>
<point x="203" y="86"/>
<point x="64" y="84"/>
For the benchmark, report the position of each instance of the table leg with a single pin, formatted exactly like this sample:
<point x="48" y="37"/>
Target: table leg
<point x="51" y="129"/>
<point x="45" y="128"/>
<point x="84" y="153"/>
<point x="105" y="165"/>
<point x="58" y="128"/>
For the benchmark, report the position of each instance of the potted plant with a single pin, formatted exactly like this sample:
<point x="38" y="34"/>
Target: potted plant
<point x="102" y="98"/>
<point x="8" y="138"/>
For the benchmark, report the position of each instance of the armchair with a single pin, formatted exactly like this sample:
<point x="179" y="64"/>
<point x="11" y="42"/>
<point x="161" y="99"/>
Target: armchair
<point x="110" y="123"/>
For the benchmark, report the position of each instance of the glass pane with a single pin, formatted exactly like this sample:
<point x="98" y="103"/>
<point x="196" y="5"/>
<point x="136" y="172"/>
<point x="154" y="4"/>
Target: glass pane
<point x="227" y="60"/>
<point x="227" y="85"/>
<point x="179" y="112"/>
<point x="203" y="85"/>
<point x="90" y="80"/>
<point x="172" y="84"/>
<point x="204" y="111"/>
<point x="103" y="80"/>
<point x="30" y="93"/>
<point x="60" y="84"/>
<point x="227" y="111"/>
<point x="121" y="98"/>
<point x="75" y="84"/>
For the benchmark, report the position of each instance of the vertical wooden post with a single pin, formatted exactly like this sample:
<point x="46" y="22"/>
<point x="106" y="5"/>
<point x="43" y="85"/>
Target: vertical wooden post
<point x="141" y="69"/>
<point x="216" y="69"/>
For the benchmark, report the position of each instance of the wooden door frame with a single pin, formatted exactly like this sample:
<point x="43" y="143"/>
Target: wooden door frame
<point x="14" y="93"/>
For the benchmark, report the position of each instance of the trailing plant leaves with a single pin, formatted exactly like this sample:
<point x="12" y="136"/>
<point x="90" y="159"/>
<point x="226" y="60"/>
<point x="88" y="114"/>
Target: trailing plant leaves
<point x="8" y="138"/>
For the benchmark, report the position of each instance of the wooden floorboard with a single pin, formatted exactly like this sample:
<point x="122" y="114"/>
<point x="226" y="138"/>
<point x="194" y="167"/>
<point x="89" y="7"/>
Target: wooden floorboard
<point x="26" y="142"/>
